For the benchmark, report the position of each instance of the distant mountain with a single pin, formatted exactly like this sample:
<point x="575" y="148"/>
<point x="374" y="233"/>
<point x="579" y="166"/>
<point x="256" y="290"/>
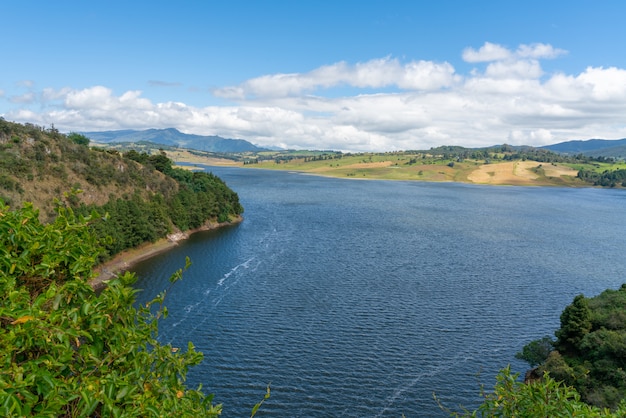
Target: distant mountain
<point x="174" y="137"/>
<point x="592" y="147"/>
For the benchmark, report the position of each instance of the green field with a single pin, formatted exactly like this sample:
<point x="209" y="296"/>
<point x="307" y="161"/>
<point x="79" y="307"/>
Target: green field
<point x="535" y="168"/>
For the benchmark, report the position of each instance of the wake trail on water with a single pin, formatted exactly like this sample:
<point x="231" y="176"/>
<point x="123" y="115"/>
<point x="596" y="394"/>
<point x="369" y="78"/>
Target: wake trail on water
<point x="451" y="364"/>
<point x="220" y="289"/>
<point x="224" y="284"/>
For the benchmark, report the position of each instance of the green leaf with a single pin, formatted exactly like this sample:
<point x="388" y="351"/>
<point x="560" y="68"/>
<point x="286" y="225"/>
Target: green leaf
<point x="122" y="392"/>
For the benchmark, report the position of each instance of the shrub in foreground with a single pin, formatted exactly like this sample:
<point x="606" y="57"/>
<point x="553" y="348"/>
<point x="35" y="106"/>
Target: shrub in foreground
<point x="65" y="350"/>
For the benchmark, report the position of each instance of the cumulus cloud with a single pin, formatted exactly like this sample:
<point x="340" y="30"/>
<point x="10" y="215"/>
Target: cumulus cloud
<point x="487" y="52"/>
<point x="396" y="105"/>
<point x="377" y="73"/>
<point x="539" y="51"/>
<point x="494" y="52"/>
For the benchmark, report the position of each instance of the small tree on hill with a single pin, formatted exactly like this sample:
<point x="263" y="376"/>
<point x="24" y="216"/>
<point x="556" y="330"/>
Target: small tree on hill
<point x="78" y="138"/>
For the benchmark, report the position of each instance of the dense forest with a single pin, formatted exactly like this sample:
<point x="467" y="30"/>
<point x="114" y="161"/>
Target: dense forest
<point x="142" y="197"/>
<point x="589" y="353"/>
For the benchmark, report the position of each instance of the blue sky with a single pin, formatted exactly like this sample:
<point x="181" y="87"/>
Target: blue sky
<point x="345" y="75"/>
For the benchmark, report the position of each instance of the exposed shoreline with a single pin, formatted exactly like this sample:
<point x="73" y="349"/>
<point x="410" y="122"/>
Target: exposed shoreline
<point x="125" y="260"/>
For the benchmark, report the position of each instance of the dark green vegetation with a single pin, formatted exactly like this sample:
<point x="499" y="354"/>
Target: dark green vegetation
<point x="66" y="351"/>
<point x="589" y="352"/>
<point x="580" y="374"/>
<point x="605" y="178"/>
<point x="143" y="197"/>
<point x="545" y="397"/>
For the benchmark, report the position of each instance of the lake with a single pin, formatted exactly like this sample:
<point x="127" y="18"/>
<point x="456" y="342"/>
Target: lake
<point x="363" y="298"/>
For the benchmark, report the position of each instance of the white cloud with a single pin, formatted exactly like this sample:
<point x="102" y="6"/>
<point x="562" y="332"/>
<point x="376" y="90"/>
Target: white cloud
<point x="397" y="105"/>
<point x="539" y="51"/>
<point x="377" y="73"/>
<point x="524" y="69"/>
<point x="487" y="52"/>
<point x="494" y="52"/>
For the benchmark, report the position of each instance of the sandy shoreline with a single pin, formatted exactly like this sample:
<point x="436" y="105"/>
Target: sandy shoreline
<point x="127" y="259"/>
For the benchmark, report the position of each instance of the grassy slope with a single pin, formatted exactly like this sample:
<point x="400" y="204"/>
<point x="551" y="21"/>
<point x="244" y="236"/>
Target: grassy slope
<point x="391" y="166"/>
<point x="38" y="166"/>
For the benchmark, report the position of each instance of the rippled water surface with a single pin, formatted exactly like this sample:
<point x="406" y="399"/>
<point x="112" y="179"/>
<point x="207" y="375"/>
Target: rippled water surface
<point x="362" y="298"/>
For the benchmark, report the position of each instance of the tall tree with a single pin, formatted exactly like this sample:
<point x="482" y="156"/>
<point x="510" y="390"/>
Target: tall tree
<point x="575" y="324"/>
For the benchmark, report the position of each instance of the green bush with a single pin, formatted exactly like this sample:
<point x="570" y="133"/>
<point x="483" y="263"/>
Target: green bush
<point x="66" y="351"/>
<point x="542" y="398"/>
<point x="590" y="350"/>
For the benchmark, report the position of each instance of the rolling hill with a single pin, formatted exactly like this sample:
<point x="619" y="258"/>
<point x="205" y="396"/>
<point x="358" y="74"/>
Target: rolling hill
<point x="173" y="137"/>
<point x="615" y="148"/>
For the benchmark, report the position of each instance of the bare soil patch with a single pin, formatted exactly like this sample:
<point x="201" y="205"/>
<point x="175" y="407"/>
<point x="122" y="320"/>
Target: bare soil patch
<point x="558" y="170"/>
<point x="515" y="172"/>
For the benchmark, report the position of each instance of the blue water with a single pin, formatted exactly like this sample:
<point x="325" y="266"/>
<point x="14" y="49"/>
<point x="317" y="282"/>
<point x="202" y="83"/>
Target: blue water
<point x="363" y="298"/>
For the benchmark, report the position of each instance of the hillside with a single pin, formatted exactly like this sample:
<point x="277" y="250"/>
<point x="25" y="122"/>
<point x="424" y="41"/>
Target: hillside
<point x="39" y="165"/>
<point x="592" y="148"/>
<point x="142" y="195"/>
<point x="501" y="165"/>
<point x="173" y="137"/>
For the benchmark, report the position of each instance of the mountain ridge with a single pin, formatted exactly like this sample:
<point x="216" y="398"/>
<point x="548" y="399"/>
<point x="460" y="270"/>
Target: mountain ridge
<point x="595" y="147"/>
<point x="173" y="137"/>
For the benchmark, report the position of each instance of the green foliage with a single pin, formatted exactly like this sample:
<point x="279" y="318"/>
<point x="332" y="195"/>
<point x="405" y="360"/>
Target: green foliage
<point x="542" y="398"/>
<point x="78" y="138"/>
<point x="204" y="196"/>
<point x="159" y="162"/>
<point x="133" y="220"/>
<point x="558" y="368"/>
<point x="256" y="407"/>
<point x="66" y="351"/>
<point x="129" y="222"/>
<point x="575" y="323"/>
<point x="608" y="178"/>
<point x="590" y="351"/>
<point x="536" y="352"/>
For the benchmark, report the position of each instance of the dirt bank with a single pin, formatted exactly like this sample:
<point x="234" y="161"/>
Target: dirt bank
<point x="127" y="259"/>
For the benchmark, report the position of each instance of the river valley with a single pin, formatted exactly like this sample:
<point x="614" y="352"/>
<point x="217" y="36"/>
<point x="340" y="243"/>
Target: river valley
<point x="363" y="298"/>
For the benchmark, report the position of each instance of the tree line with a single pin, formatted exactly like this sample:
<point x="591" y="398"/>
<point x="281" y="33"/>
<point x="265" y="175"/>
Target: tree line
<point x="133" y="220"/>
<point x="608" y="178"/>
